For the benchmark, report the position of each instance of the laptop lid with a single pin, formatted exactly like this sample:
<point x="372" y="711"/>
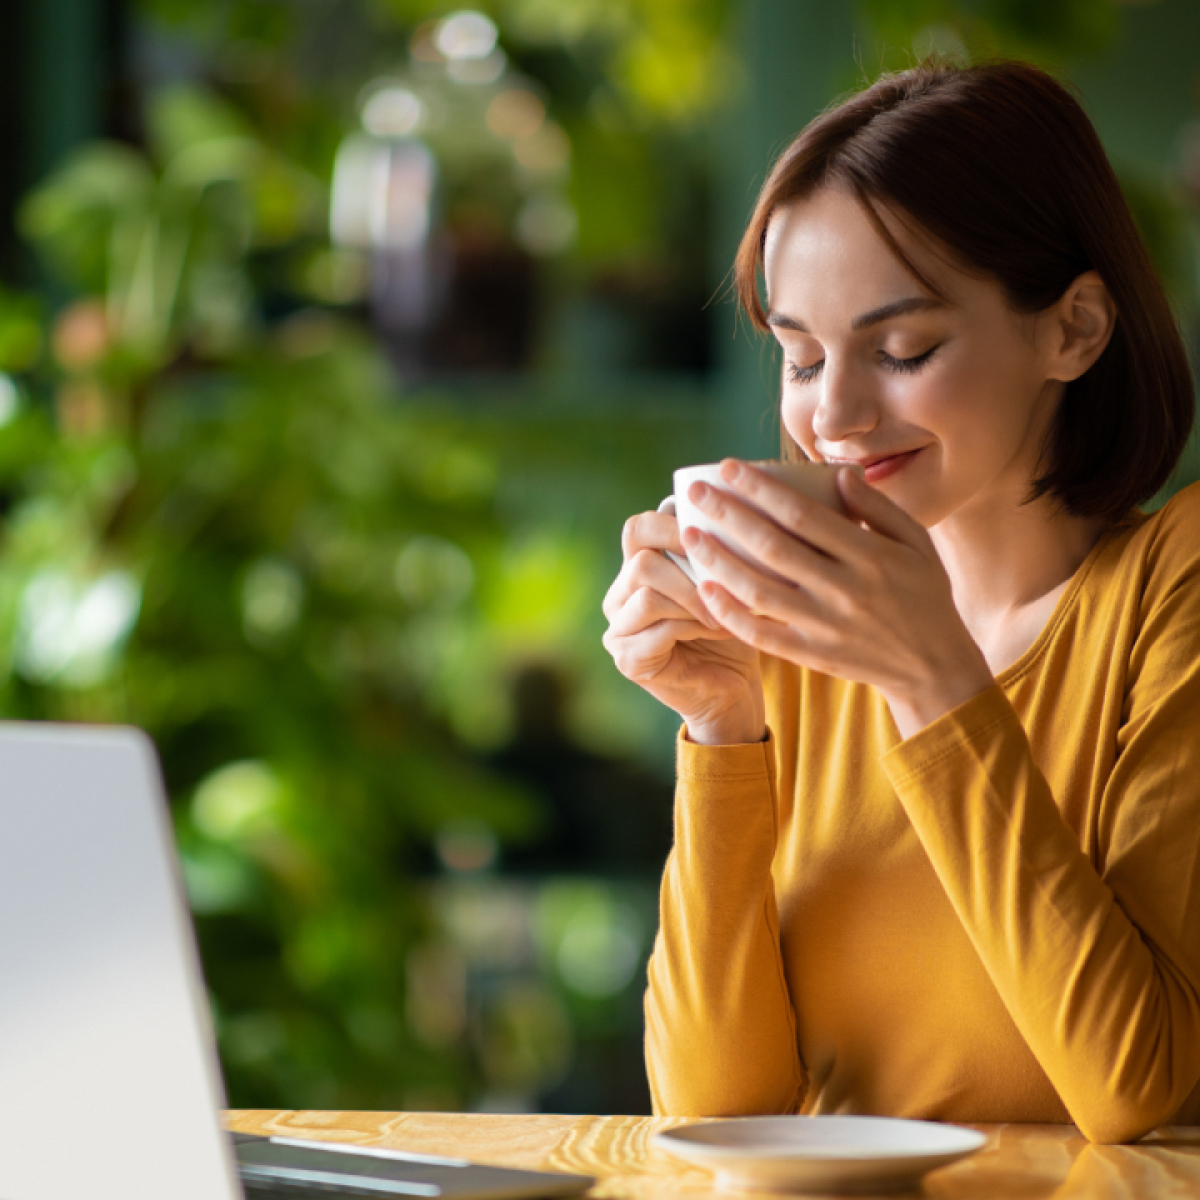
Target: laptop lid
<point x="109" y="1084"/>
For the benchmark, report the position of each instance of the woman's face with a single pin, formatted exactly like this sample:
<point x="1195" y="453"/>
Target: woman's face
<point x="945" y="404"/>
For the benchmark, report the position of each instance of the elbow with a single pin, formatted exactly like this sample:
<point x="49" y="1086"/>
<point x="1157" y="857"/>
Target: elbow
<point x="1116" y="1128"/>
<point x="1130" y="1103"/>
<point x="1142" y="1084"/>
<point x="1112" y="1119"/>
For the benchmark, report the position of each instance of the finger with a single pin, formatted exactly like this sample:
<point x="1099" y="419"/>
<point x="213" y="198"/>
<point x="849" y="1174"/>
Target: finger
<point x="881" y="514"/>
<point x="691" y="631"/>
<point x="650" y="530"/>
<point x="763" y="539"/>
<point x="833" y="533"/>
<point x="644" y="655"/>
<point x="651" y="569"/>
<point x="647" y="607"/>
<point x="757" y="590"/>
<point x="762" y="632"/>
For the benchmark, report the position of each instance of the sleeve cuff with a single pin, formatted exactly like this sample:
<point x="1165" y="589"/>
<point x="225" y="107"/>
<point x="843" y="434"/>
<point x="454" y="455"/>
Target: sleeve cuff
<point x="970" y="725"/>
<point x="745" y="763"/>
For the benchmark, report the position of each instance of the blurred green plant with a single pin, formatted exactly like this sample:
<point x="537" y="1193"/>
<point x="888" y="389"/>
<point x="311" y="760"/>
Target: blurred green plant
<point x="226" y="533"/>
<point x="224" y="529"/>
<point x="633" y="85"/>
<point x="1048" y="32"/>
<point x="668" y="60"/>
<point x="165" y="241"/>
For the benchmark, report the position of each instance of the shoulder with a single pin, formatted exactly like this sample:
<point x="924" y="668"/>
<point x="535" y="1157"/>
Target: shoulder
<point x="1181" y="512"/>
<point x="1169" y="539"/>
<point x="1154" y="556"/>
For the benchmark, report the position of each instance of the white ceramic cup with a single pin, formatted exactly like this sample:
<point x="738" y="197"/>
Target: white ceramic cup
<point x="818" y="480"/>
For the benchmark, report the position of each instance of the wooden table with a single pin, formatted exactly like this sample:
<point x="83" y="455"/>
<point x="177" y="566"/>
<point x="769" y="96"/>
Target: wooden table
<point x="1021" y="1162"/>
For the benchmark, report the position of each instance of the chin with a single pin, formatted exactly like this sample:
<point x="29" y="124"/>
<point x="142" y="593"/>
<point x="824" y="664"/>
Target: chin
<point x="924" y="509"/>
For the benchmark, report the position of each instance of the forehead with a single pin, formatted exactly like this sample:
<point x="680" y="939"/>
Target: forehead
<point x="825" y="261"/>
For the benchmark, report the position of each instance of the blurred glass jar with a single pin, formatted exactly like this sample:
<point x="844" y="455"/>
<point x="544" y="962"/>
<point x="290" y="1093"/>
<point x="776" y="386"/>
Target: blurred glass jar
<point x="454" y="189"/>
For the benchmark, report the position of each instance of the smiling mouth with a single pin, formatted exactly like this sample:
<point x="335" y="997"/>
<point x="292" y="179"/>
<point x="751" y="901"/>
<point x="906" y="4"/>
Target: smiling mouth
<point x="876" y="469"/>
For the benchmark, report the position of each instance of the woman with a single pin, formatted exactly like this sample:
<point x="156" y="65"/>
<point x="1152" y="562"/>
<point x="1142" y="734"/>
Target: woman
<point x="937" y="843"/>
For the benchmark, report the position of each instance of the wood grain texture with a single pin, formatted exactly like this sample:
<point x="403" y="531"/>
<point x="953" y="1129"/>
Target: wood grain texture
<point x="1020" y="1162"/>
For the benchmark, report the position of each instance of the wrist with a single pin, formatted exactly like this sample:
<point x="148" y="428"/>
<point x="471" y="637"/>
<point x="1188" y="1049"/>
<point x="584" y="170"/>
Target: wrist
<point x="721" y="735"/>
<point x="914" y="709"/>
<point x="740" y="727"/>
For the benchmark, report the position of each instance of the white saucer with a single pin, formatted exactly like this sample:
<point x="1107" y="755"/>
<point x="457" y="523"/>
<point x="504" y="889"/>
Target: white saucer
<point x="820" y="1154"/>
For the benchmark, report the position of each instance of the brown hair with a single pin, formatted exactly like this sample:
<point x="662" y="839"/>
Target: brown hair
<point x="999" y="163"/>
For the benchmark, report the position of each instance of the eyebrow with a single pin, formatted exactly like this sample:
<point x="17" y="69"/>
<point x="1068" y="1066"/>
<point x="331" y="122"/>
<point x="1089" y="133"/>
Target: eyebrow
<point x="885" y="312"/>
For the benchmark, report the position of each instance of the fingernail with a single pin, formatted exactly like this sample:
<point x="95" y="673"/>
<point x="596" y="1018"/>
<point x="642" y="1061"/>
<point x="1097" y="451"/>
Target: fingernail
<point x="731" y="470"/>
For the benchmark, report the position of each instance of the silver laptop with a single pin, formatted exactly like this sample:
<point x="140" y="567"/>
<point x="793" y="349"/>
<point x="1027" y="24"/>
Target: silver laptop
<point x="109" y="1083"/>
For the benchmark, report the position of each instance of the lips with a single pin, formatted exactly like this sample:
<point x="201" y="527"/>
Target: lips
<point x="879" y="466"/>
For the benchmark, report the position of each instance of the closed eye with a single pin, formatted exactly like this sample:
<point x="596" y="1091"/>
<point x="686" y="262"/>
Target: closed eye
<point x="899" y="366"/>
<point x="903" y="366"/>
<point x="797" y="374"/>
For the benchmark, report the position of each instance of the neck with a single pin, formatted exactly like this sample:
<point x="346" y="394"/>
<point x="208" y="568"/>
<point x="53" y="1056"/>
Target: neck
<point x="1009" y="564"/>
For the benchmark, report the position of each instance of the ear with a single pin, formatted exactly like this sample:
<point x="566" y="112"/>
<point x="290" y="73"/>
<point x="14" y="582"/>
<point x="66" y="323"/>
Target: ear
<point x="1080" y="326"/>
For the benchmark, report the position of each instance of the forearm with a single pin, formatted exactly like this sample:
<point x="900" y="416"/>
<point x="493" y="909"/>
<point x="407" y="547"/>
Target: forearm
<point x="1110" y="1016"/>
<point x="720" y="1033"/>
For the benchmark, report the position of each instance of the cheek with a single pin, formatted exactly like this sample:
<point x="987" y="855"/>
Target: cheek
<point x="953" y="399"/>
<point x="931" y="399"/>
<point x="974" y="413"/>
<point x="975" y="396"/>
<point x="796" y="412"/>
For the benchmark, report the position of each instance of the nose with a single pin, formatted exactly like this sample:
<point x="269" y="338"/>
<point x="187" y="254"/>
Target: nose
<point x="846" y="405"/>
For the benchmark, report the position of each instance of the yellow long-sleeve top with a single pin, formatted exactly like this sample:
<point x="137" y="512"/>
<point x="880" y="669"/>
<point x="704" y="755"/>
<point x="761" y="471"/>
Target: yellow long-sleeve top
<point x="997" y="919"/>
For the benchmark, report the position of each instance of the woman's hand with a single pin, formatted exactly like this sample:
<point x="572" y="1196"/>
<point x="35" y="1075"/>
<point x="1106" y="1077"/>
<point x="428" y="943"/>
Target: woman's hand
<point x="863" y="597"/>
<point x="662" y="637"/>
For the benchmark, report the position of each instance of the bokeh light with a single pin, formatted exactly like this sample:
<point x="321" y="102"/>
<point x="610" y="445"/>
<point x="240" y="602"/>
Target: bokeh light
<point x="465" y="35"/>
<point x="392" y="111"/>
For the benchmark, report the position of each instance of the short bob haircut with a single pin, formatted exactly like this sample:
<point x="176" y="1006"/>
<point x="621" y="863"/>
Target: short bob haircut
<point x="999" y="164"/>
